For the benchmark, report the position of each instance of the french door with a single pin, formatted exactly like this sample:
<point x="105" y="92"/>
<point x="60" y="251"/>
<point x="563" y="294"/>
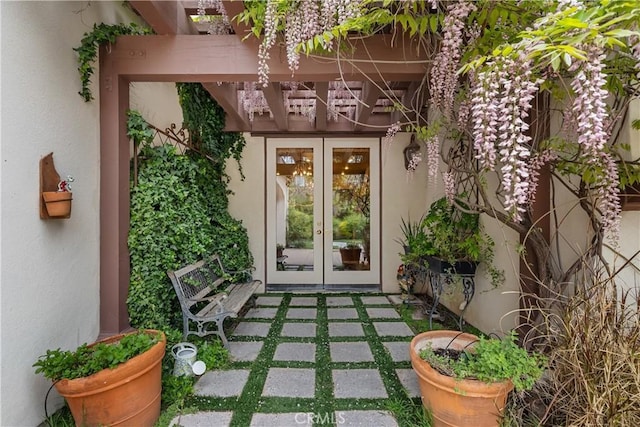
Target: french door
<point x="323" y="223"/>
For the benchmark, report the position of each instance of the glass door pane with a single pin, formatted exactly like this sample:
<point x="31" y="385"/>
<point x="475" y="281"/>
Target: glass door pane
<point x="351" y="211"/>
<point x="294" y="211"/>
<point x="351" y="194"/>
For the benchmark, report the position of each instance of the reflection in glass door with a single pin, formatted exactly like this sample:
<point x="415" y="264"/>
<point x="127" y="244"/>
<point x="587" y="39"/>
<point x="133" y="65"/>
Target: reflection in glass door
<point x="322" y="220"/>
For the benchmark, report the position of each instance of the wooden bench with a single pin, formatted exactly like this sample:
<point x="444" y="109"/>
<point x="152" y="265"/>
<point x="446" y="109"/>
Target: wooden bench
<point x="203" y="299"/>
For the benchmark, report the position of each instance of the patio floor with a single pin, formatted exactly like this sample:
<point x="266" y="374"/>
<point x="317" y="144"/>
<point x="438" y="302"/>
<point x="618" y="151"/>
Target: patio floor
<point x="310" y="359"/>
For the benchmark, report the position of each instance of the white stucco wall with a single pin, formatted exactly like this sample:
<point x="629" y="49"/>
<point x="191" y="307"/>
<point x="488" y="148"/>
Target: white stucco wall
<point x="248" y="201"/>
<point x="49" y="269"/>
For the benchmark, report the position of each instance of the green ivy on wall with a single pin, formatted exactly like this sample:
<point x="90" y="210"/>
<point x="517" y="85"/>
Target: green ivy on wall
<point x="179" y="210"/>
<point x="88" y="49"/>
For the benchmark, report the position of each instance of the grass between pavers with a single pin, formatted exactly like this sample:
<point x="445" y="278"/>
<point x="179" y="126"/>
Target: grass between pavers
<point x="252" y="401"/>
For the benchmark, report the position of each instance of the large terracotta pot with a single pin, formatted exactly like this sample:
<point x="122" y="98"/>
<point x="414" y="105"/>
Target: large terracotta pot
<point x="452" y="402"/>
<point x="128" y="395"/>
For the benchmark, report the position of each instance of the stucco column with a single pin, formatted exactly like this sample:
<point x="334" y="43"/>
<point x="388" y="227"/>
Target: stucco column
<point x="114" y="198"/>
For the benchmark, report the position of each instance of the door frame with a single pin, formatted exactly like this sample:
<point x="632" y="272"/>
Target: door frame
<point x="323" y="276"/>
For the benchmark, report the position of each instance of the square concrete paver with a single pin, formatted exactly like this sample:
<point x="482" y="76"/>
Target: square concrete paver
<point x="338" y="301"/>
<point x="342" y="313"/>
<point x="290" y="382"/>
<point x="261" y="313"/>
<point x="203" y="419"/>
<point x="350" y="352"/>
<point x="399" y="351"/>
<point x="358" y="383"/>
<point x="302" y="313"/>
<point x="304" y="301"/>
<point x="382" y="313"/>
<point x="393" y="329"/>
<point x="252" y="329"/>
<point x="222" y="383"/>
<point x="374" y="300"/>
<point x="298" y="330"/>
<point x="365" y="419"/>
<point x="345" y="329"/>
<point x="269" y="301"/>
<point x="245" y="351"/>
<point x="409" y="380"/>
<point x="302" y="419"/>
<point x="299" y="352"/>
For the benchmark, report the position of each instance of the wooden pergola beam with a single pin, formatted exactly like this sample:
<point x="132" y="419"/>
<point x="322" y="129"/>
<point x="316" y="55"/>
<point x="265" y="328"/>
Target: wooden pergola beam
<point x="322" y="93"/>
<point x="202" y="58"/>
<point x="273" y="94"/>
<point x="165" y="17"/>
<point x="371" y="91"/>
<point x="226" y="95"/>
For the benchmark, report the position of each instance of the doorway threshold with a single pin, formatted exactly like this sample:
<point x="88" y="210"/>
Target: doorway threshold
<point x="322" y="288"/>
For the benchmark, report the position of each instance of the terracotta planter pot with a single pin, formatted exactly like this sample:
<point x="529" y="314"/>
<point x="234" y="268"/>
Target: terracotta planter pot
<point x="127" y="395"/>
<point x="350" y="257"/>
<point x="452" y="402"/>
<point x="58" y="203"/>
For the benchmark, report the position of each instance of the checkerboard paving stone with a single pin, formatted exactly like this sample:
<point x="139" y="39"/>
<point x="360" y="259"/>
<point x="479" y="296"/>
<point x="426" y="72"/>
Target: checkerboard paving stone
<point x="345" y="329"/>
<point x="302" y="313"/>
<point x="409" y="380"/>
<point x="301" y="419"/>
<point x="393" y="329"/>
<point x="252" y="329"/>
<point x="261" y="313"/>
<point x="338" y="301"/>
<point x="342" y="313"/>
<point x="399" y="351"/>
<point x="245" y="351"/>
<point x="382" y="313"/>
<point x="358" y="383"/>
<point x="304" y="301"/>
<point x="222" y="383"/>
<point x="350" y="352"/>
<point x="374" y="300"/>
<point x="304" y="330"/>
<point x="293" y="351"/>
<point x="269" y="301"/>
<point x="290" y="382"/>
<point x="203" y="419"/>
<point x="365" y="419"/>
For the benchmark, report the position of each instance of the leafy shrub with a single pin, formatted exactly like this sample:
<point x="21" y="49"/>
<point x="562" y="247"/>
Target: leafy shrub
<point x="299" y="228"/>
<point x="85" y="360"/>
<point x="352" y="226"/>
<point x="491" y="360"/>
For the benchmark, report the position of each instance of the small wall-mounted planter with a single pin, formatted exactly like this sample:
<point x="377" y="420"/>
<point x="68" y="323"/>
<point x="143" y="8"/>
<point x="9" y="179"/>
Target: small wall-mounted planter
<point x="54" y="204"/>
<point x="58" y="203"/>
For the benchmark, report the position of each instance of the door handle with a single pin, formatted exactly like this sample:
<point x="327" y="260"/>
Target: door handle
<point x="318" y="231"/>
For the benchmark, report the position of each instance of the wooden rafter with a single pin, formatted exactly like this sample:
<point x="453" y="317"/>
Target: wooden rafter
<point x="371" y="91"/>
<point x="165" y="17"/>
<point x="226" y="95"/>
<point x="273" y="94"/>
<point x="322" y="92"/>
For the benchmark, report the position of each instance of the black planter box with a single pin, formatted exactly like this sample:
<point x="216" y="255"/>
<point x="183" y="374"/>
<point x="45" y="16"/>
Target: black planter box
<point x="440" y="266"/>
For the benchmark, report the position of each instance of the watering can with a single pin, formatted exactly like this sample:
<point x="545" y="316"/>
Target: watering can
<point x="185" y="355"/>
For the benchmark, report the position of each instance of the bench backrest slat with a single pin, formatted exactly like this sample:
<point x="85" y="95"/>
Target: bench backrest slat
<point x="197" y="280"/>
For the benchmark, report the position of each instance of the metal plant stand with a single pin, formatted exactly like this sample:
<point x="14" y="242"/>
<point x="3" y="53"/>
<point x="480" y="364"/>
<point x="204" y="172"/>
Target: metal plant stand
<point x="438" y="282"/>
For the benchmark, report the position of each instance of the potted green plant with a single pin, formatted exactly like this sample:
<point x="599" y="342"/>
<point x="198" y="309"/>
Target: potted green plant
<point x="464" y="380"/>
<point x="350" y="255"/>
<point x="449" y="239"/>
<point x="113" y="381"/>
<point x="279" y="250"/>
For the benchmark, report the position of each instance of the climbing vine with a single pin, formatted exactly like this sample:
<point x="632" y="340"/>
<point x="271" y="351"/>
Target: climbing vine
<point x="88" y="49"/>
<point x="179" y="209"/>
